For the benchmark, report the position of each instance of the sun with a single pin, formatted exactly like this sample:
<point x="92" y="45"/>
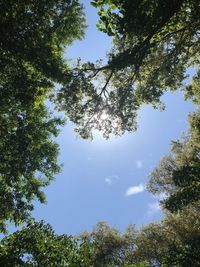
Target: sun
<point x="104" y="116"/>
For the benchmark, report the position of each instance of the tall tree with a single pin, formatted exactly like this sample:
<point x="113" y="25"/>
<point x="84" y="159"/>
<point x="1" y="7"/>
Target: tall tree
<point x="172" y="242"/>
<point x="108" y="245"/>
<point x="34" y="35"/>
<point x="154" y="44"/>
<point x="37" y="32"/>
<point x="38" y="245"/>
<point x="178" y="174"/>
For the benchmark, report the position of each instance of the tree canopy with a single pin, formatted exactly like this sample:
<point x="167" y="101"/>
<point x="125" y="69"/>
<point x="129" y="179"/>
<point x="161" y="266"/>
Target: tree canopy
<point x="178" y="174"/>
<point x="172" y="242"/>
<point x="154" y="43"/>
<point x="39" y="245"/>
<point x="34" y="35"/>
<point x="146" y="60"/>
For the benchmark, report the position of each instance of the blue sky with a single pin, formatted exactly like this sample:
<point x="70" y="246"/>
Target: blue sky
<point x="104" y="180"/>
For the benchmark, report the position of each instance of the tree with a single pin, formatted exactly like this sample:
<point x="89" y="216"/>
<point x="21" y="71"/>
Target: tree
<point x="173" y="242"/>
<point x="38" y="245"/>
<point x="110" y="247"/>
<point x="178" y="175"/>
<point x="37" y="32"/>
<point x="107" y="245"/>
<point x="155" y="42"/>
<point x="34" y="35"/>
<point x="28" y="162"/>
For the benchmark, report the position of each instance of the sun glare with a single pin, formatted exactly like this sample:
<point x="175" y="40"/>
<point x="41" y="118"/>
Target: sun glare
<point x="104" y="116"/>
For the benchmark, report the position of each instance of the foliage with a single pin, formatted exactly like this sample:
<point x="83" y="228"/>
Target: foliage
<point x="38" y="31"/>
<point x="28" y="160"/>
<point x="38" y="245"/>
<point x="172" y="242"/>
<point x="154" y="44"/>
<point x="192" y="90"/>
<point x="178" y="175"/>
<point x="34" y="35"/>
<point x="112" y="248"/>
<point x="108" y="245"/>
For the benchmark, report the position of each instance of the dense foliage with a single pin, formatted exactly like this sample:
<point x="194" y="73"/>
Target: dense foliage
<point x="34" y="35"/>
<point x="178" y="174"/>
<point x="155" y="42"/>
<point x="38" y="245"/>
<point x="172" y="242"/>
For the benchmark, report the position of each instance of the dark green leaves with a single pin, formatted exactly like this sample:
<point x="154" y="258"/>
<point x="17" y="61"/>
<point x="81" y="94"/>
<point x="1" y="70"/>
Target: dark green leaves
<point x="38" y="32"/>
<point x="28" y="161"/>
<point x="34" y="35"/>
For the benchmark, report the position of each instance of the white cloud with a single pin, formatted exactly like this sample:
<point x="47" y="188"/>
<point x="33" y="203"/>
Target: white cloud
<point x="110" y="179"/>
<point x="133" y="190"/>
<point x="139" y="164"/>
<point x="153" y="208"/>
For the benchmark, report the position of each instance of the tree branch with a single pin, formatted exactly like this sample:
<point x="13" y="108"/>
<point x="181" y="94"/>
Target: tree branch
<point x="106" y="84"/>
